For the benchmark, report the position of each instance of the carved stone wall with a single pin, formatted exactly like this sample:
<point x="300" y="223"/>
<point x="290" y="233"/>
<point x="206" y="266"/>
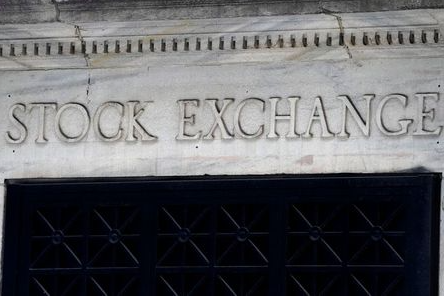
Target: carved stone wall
<point x="325" y="93"/>
<point x="32" y="11"/>
<point x="308" y="94"/>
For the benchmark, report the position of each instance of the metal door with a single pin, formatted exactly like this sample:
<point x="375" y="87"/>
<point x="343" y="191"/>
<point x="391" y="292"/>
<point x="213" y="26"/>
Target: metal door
<point x="284" y="235"/>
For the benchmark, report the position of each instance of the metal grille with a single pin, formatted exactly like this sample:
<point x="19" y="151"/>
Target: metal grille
<point x="225" y="247"/>
<point x="254" y="236"/>
<point x="73" y="250"/>
<point x="361" y="244"/>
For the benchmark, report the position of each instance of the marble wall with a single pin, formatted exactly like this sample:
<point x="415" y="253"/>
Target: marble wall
<point x="341" y="101"/>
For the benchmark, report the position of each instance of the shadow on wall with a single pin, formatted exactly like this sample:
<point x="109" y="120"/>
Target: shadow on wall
<point x="418" y="169"/>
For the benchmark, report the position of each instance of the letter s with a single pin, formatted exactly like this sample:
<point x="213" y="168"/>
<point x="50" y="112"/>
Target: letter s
<point x="19" y="125"/>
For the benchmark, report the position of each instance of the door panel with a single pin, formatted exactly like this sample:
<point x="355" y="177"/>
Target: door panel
<point x="284" y="235"/>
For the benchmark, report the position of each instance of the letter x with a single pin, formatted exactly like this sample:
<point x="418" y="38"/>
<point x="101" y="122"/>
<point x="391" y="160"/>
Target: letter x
<point x="218" y="120"/>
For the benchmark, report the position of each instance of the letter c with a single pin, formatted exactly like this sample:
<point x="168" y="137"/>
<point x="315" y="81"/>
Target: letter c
<point x="98" y="130"/>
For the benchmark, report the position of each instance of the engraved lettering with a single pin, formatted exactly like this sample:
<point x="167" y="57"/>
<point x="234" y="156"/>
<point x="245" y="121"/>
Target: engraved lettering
<point x="403" y="122"/>
<point x="185" y="119"/>
<point x="274" y="116"/>
<point x="218" y="119"/>
<point x="364" y="125"/>
<point x="41" y="135"/>
<point x="135" y="130"/>
<point x="114" y="121"/>
<point x="318" y="114"/>
<point x="18" y="124"/>
<point x="61" y="134"/>
<point x="97" y="127"/>
<point x="238" y="129"/>
<point x="424" y="113"/>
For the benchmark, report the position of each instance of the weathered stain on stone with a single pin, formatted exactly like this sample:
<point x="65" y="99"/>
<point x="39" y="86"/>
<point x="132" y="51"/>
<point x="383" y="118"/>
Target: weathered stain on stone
<point x="305" y="160"/>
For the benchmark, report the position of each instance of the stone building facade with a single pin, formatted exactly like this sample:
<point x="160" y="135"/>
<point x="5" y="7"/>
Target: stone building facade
<point x="259" y="96"/>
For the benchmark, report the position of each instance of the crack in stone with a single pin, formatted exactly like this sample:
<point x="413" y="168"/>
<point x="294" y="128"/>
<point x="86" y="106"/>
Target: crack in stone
<point x="434" y="18"/>
<point x="88" y="87"/>
<point x="57" y="11"/>
<point x="78" y="34"/>
<point x="341" y="29"/>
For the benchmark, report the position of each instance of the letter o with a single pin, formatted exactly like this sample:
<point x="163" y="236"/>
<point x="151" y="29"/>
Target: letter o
<point x="61" y="134"/>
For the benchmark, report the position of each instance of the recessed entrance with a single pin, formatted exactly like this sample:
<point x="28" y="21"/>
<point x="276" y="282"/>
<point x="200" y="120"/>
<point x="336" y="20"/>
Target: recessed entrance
<point x="316" y="235"/>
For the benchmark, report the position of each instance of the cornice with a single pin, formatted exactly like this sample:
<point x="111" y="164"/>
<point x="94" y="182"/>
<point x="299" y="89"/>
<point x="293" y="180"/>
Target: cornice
<point x="32" y="11"/>
<point x="253" y="39"/>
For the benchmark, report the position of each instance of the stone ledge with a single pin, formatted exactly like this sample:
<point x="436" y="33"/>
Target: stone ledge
<point x="215" y="37"/>
<point x="32" y="11"/>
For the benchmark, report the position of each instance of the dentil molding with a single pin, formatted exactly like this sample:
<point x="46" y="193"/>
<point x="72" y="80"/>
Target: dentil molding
<point x="49" y="45"/>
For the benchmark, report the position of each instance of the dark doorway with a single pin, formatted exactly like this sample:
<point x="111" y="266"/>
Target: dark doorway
<point x="284" y="235"/>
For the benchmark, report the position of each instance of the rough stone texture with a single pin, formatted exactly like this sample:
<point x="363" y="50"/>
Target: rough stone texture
<point x="32" y="11"/>
<point x="353" y="68"/>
